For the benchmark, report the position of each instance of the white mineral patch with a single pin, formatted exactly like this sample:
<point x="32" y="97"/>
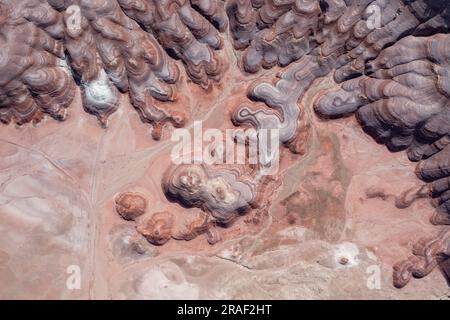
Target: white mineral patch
<point x="99" y="91"/>
<point x="346" y="255"/>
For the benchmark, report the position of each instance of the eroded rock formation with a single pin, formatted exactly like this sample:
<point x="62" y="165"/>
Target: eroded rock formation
<point x="403" y="102"/>
<point x="390" y="62"/>
<point x="159" y="229"/>
<point x="428" y="254"/>
<point x="189" y="30"/>
<point x="401" y="98"/>
<point x="162" y="226"/>
<point x="273" y="32"/>
<point x="111" y="47"/>
<point x="34" y="79"/>
<point x="219" y="192"/>
<point x="130" y="205"/>
<point x="435" y="170"/>
<point x="282" y="113"/>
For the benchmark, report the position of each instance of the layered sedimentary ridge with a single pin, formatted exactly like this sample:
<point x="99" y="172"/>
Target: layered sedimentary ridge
<point x="34" y="80"/>
<point x="400" y="97"/>
<point x="387" y="62"/>
<point x="106" y="47"/>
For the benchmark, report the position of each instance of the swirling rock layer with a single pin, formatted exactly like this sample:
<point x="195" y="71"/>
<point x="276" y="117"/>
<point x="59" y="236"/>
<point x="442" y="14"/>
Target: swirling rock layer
<point x="130" y="205"/>
<point x="111" y="47"/>
<point x="400" y="95"/>
<point x="220" y="193"/>
<point x="428" y="254"/>
<point x="390" y="66"/>
<point x="33" y="80"/>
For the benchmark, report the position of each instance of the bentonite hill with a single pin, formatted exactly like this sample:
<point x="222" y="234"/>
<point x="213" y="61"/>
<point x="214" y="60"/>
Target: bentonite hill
<point x="328" y="122"/>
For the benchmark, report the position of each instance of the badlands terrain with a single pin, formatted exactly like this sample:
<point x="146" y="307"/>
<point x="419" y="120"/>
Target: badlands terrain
<point x="93" y="205"/>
